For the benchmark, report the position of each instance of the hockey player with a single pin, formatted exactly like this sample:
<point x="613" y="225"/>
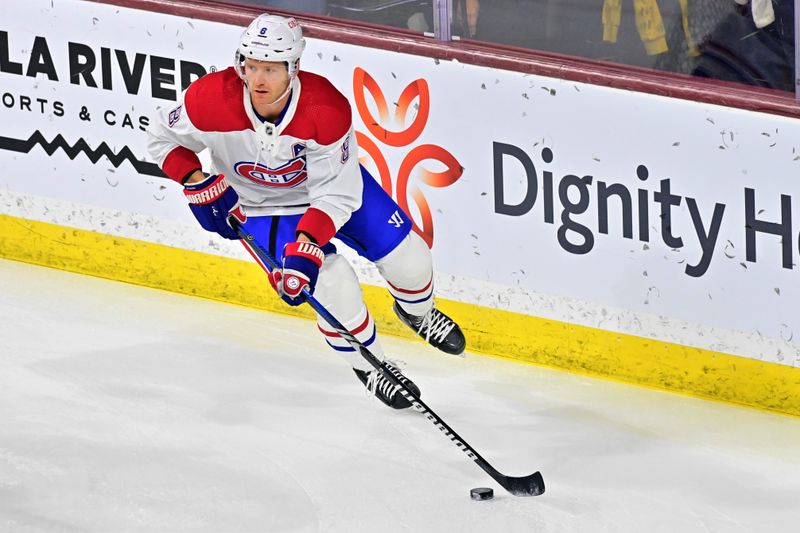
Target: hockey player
<point x="284" y="161"/>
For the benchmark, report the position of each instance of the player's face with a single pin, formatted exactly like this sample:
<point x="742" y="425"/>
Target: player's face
<point x="266" y="80"/>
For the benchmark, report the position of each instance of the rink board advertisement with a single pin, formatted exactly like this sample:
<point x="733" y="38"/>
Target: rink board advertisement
<point x="601" y="210"/>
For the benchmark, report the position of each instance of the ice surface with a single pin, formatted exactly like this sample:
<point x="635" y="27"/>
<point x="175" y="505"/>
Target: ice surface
<point x="126" y="409"/>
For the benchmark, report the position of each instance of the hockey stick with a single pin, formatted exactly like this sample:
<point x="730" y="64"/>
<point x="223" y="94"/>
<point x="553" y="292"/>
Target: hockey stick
<point x="532" y="485"/>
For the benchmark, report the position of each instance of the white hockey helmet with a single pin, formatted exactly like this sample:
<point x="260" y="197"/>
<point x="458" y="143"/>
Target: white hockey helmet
<point x="271" y="38"/>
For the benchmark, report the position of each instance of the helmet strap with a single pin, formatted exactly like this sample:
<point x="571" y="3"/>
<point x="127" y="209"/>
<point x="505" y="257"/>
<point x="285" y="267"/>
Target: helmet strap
<point x="287" y="91"/>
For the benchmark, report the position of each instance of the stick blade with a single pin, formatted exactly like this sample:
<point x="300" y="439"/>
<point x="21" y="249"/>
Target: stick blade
<point x="532" y="485"/>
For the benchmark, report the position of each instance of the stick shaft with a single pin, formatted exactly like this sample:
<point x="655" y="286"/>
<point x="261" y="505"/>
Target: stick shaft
<point x="527" y="486"/>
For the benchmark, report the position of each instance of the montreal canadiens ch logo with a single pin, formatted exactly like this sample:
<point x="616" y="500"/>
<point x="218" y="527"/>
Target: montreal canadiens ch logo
<point x="289" y="175"/>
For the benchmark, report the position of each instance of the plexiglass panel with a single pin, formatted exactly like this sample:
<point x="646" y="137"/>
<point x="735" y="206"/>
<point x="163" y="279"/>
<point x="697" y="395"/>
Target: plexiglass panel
<point x="745" y="41"/>
<point x="749" y="42"/>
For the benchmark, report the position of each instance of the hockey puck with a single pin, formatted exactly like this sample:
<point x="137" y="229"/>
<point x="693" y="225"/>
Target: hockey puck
<point x="481" y="493"/>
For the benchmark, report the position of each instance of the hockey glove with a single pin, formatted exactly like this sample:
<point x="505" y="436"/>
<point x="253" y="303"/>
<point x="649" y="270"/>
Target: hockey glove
<point x="301" y="264"/>
<point x="211" y="202"/>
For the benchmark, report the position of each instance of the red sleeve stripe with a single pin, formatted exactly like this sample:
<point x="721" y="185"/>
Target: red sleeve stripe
<point x="318" y="225"/>
<point x="356" y="331"/>
<point x="179" y="163"/>
<point x="407" y="291"/>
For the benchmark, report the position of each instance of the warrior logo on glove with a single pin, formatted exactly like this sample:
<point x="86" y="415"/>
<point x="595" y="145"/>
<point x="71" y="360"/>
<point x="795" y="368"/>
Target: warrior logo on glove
<point x="212" y="201"/>
<point x="301" y="264"/>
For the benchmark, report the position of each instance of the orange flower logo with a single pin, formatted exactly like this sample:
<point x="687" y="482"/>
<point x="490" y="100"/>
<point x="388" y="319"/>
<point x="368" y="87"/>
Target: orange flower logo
<point x="411" y="170"/>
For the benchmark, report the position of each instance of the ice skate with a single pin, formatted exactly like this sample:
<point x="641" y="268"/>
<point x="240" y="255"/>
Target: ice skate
<point x="438" y="329"/>
<point x="384" y="389"/>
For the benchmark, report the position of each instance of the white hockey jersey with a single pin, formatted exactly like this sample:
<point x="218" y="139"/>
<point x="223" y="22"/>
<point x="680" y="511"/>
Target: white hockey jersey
<point x="306" y="163"/>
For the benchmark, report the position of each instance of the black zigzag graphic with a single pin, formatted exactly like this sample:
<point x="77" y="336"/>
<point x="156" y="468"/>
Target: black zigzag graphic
<point x="72" y="151"/>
